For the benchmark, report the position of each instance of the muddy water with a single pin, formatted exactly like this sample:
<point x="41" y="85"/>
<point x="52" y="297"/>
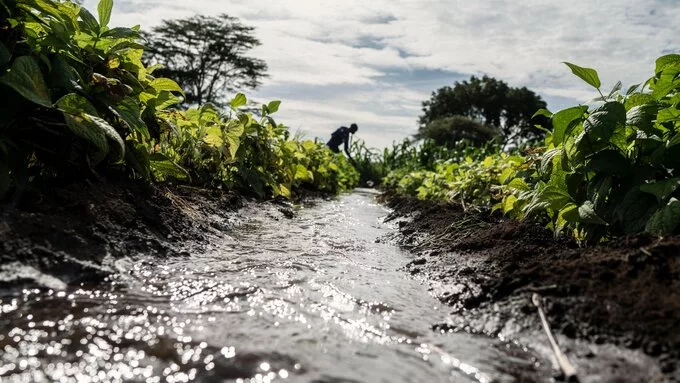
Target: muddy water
<point x="314" y="298"/>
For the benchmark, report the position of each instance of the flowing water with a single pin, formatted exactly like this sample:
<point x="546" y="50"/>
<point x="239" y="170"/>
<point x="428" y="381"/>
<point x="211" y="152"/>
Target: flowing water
<point x="315" y="298"/>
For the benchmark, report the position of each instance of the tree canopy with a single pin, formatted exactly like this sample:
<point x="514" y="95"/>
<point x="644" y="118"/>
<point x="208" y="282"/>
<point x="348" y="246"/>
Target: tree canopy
<point x="207" y="56"/>
<point x="447" y="131"/>
<point x="489" y="101"/>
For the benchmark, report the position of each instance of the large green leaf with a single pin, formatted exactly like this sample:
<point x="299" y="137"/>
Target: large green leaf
<point x="99" y="134"/>
<point x="662" y="189"/>
<point x="588" y="75"/>
<point x="642" y="116"/>
<point x="667" y="60"/>
<point x="665" y="220"/>
<point x="604" y="120"/>
<point x="162" y="164"/>
<point x="104" y="8"/>
<point x="89" y="23"/>
<point x="564" y="120"/>
<point x="166" y="84"/>
<point x="232" y="137"/>
<point x="75" y="104"/>
<point x="26" y="79"/>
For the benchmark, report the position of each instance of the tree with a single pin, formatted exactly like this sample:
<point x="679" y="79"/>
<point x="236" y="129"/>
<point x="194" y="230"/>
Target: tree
<point x="207" y="56"/>
<point x="447" y="131"/>
<point x="491" y="102"/>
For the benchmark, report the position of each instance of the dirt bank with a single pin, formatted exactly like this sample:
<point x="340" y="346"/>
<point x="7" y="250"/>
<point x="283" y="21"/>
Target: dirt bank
<point x="69" y="234"/>
<point x="602" y="302"/>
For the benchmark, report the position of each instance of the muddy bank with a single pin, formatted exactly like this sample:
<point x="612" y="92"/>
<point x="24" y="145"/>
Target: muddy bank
<point x="70" y="234"/>
<point x="625" y="294"/>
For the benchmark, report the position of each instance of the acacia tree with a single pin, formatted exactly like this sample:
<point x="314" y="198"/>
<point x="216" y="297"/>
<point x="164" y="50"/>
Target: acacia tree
<point x="491" y="102"/>
<point x="207" y="56"/>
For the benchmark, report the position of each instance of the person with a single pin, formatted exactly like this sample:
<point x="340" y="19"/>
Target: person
<point x="342" y="137"/>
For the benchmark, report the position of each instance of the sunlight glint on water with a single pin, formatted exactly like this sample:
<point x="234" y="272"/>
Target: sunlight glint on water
<point x="313" y="298"/>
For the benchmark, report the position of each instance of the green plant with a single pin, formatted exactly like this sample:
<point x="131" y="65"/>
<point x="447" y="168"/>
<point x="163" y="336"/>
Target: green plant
<point x="82" y="103"/>
<point x="610" y="170"/>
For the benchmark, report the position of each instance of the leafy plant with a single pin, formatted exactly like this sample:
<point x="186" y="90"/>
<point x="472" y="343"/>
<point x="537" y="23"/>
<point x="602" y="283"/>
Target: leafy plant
<point x="82" y="103"/>
<point x="610" y="169"/>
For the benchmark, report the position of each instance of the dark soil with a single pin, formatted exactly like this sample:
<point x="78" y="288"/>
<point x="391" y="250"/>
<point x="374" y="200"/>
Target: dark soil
<point x="75" y="232"/>
<point x="625" y="293"/>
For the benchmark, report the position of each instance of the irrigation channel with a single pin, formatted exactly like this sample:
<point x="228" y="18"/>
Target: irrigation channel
<point x="315" y="298"/>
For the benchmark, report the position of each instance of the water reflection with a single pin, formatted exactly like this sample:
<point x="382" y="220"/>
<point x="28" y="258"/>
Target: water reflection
<point x="314" y="298"/>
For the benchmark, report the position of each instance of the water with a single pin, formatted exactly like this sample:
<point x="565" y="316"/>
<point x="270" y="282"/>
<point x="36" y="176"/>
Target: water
<point x="314" y="298"/>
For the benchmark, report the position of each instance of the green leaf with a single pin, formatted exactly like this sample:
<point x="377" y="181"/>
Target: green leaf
<point x="166" y="84"/>
<point x="542" y="112"/>
<point x="233" y="138"/>
<point x="120" y="33"/>
<point x="239" y="101"/>
<point x="509" y="203"/>
<point x="642" y="116"/>
<point x="137" y="158"/>
<point x="665" y="220"/>
<point x="662" y="88"/>
<point x="604" y="120"/>
<point x="555" y="197"/>
<point x="615" y="89"/>
<point x="75" y="104"/>
<point x="213" y="136"/>
<point x="548" y="159"/>
<point x="162" y="164"/>
<point x="662" y="189"/>
<point x="584" y="214"/>
<point x="588" y="75"/>
<point x="4" y="55"/>
<point x="519" y="184"/>
<point x="99" y="133"/>
<point x="129" y="112"/>
<point x="26" y="79"/>
<point x="564" y="120"/>
<point x="587" y="214"/>
<point x="104" y="8"/>
<point x="63" y="75"/>
<point x="301" y="173"/>
<point x="667" y="60"/>
<point x="273" y="106"/>
<point x="89" y="23"/>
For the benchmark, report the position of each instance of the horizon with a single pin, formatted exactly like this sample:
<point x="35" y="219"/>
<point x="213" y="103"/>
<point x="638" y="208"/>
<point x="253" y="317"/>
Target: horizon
<point x="334" y="64"/>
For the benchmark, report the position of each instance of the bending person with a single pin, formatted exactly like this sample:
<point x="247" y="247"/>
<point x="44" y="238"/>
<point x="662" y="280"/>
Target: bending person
<point x="342" y="137"/>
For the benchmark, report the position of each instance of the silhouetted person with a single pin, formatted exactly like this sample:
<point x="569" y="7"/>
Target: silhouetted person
<point x="342" y="137"/>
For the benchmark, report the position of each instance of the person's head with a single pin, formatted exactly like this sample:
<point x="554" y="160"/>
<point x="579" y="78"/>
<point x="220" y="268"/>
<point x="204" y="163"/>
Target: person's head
<point x="353" y="128"/>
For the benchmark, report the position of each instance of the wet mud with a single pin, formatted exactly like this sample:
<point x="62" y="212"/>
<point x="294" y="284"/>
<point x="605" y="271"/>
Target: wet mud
<point x="615" y="308"/>
<point x="72" y="234"/>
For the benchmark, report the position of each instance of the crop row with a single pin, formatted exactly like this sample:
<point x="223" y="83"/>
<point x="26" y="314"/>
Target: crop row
<point x="79" y="102"/>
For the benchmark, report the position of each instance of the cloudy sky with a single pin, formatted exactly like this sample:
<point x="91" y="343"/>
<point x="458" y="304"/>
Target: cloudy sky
<point x="374" y="62"/>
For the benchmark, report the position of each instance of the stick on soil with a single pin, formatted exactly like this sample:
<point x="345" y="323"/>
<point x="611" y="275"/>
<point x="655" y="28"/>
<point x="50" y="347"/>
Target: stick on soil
<point x="567" y="368"/>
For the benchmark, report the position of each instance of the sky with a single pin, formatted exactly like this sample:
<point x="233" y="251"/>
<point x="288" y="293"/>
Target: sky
<point x="374" y="62"/>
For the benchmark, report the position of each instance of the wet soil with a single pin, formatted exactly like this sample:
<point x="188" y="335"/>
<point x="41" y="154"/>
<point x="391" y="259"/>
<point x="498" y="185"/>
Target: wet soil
<point x="74" y="233"/>
<point x="621" y="295"/>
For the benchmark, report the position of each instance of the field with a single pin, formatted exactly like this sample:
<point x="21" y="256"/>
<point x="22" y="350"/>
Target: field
<point x="113" y="188"/>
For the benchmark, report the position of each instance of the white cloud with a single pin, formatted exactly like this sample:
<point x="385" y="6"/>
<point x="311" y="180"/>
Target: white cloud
<point x="352" y="45"/>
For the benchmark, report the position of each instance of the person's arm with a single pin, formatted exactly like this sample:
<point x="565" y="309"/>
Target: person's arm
<point x="347" y="147"/>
